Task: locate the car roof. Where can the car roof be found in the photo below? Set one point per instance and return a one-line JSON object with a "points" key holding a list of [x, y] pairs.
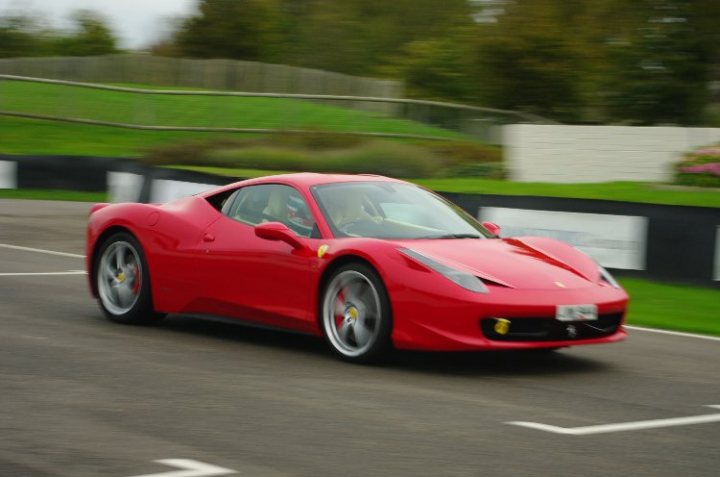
{"points": [[306, 180]]}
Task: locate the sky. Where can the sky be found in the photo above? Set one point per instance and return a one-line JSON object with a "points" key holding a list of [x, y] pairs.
{"points": [[136, 23]]}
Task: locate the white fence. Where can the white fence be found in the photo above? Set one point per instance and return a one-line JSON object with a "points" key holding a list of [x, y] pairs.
{"points": [[558, 153], [233, 75]]}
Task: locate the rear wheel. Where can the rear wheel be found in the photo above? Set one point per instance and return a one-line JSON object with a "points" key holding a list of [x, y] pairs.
{"points": [[356, 314], [123, 281]]}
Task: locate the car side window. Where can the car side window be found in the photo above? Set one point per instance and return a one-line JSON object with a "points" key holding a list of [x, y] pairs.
{"points": [[224, 205], [272, 203]]}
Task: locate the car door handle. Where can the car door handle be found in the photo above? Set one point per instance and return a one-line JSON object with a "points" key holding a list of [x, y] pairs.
{"points": [[208, 238]]}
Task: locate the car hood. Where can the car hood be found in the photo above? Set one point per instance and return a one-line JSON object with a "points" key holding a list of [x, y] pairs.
{"points": [[523, 262]]}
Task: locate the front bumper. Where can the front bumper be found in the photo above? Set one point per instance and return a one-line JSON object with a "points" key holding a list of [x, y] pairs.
{"points": [[466, 321]]}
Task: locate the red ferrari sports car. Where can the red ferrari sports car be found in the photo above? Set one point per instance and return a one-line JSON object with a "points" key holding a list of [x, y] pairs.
{"points": [[368, 262]]}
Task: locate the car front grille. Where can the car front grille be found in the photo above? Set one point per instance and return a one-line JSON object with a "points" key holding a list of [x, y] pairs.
{"points": [[550, 329]]}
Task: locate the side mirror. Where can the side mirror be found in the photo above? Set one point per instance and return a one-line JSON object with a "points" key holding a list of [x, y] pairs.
{"points": [[492, 227], [278, 231]]}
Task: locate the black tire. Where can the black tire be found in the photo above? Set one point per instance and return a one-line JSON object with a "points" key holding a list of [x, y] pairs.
{"points": [[135, 307], [363, 332]]}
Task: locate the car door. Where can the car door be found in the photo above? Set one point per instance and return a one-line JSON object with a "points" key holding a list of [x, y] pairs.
{"points": [[256, 279]]}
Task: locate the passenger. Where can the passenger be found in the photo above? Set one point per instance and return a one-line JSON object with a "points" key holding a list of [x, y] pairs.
{"points": [[277, 209]]}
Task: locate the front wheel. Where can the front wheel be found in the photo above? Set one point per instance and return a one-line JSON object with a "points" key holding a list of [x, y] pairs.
{"points": [[356, 314], [123, 281]]}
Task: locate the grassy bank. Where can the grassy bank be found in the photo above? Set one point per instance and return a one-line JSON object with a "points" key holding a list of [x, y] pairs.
{"points": [[48, 194], [200, 111], [673, 307], [26, 136]]}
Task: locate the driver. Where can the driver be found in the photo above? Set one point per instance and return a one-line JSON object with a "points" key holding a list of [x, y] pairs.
{"points": [[347, 207]]}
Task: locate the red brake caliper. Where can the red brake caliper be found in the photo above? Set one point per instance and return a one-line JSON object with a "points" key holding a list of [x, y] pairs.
{"points": [[339, 302], [138, 278]]}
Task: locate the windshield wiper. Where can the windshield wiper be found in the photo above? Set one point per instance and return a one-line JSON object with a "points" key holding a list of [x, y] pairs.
{"points": [[454, 236]]}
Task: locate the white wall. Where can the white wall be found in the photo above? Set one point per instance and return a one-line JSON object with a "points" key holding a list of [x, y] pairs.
{"points": [[165, 190], [124, 186], [8, 175], [559, 153]]}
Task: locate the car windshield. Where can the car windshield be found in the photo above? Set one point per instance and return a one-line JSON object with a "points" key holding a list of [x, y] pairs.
{"points": [[393, 211]]}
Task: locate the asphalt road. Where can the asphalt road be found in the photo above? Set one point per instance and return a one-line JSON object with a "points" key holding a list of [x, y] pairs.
{"points": [[80, 396]]}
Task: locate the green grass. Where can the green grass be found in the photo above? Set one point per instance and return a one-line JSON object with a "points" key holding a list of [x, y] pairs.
{"points": [[50, 194], [672, 306], [26, 136], [205, 111], [622, 191]]}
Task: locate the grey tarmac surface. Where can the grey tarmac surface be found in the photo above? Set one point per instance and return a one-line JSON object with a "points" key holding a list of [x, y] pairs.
{"points": [[80, 396]]}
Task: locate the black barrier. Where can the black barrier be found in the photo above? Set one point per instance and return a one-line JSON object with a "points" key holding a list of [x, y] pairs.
{"points": [[79, 173], [90, 174], [680, 243]]}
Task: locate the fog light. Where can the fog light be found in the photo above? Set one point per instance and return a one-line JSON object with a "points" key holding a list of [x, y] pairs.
{"points": [[502, 326]]}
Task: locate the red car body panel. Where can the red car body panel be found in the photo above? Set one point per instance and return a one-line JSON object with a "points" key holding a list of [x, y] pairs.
{"points": [[202, 262]]}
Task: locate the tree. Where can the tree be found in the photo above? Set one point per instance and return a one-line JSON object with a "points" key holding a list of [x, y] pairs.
{"points": [[18, 36], [244, 29], [532, 60], [351, 36], [643, 62], [439, 68], [659, 68], [362, 36], [91, 36], [22, 35]]}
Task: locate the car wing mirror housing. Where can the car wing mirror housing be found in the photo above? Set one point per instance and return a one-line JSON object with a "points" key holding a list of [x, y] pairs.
{"points": [[278, 231], [492, 227]]}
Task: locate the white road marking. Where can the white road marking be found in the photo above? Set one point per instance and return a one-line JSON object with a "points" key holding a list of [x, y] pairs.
{"points": [[674, 333], [622, 426], [40, 250], [191, 468], [33, 274]]}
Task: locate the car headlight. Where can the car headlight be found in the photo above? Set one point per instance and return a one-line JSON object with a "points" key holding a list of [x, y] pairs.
{"points": [[464, 279], [605, 275]]}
